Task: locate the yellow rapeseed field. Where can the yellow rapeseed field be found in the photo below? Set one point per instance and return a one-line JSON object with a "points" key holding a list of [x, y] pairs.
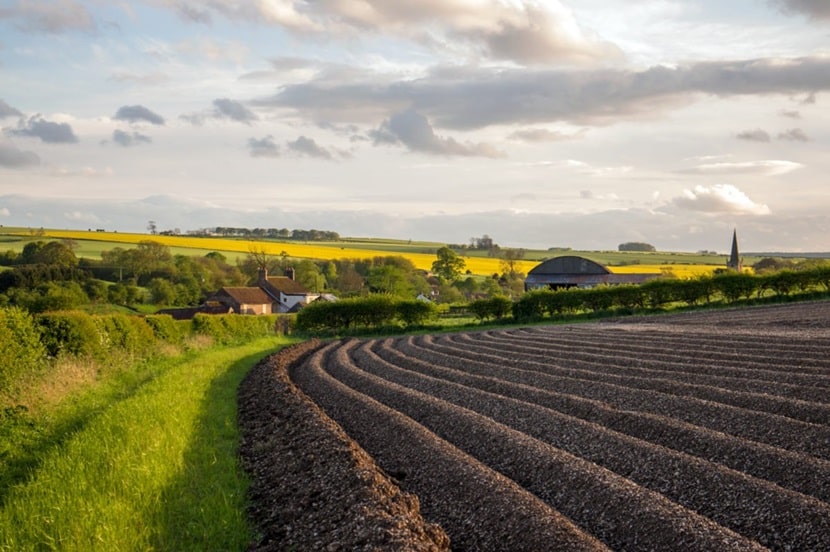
{"points": [[476, 265]]}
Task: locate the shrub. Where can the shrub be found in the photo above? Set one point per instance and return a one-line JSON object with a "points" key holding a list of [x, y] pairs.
{"points": [[495, 307], [735, 285], [413, 313], [21, 350], [233, 328], [127, 333], [167, 329], [374, 311], [73, 333]]}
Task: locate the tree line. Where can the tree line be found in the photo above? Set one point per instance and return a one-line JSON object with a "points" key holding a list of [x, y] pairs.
{"points": [[273, 233]]}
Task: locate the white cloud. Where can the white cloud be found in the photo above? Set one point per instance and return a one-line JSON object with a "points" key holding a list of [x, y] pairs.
{"points": [[765, 168], [720, 198], [524, 31]]}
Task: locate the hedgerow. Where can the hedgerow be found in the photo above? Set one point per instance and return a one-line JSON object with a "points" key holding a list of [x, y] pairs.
{"points": [[21, 350], [234, 328], [373, 311], [728, 287]]}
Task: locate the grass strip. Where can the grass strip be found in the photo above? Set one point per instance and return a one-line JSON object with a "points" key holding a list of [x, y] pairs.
{"points": [[156, 470]]}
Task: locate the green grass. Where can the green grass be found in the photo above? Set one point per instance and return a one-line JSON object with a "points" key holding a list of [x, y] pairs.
{"points": [[151, 465]]}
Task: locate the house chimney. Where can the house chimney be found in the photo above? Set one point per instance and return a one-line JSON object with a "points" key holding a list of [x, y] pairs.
{"points": [[289, 272], [263, 274]]}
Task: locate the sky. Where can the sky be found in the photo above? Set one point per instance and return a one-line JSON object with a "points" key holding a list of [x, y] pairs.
{"points": [[547, 123]]}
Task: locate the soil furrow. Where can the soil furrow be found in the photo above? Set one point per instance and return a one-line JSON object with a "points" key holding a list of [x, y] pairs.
{"points": [[795, 471], [767, 428], [478, 508], [761, 377], [700, 348], [773, 516], [311, 487], [620, 513], [598, 369]]}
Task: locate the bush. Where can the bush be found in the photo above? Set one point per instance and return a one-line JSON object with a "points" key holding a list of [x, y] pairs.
{"points": [[414, 313], [126, 333], [168, 329], [495, 307], [73, 333], [234, 328], [21, 350], [374, 311]]}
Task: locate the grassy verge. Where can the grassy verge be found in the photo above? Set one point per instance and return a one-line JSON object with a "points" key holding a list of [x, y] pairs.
{"points": [[154, 468]]}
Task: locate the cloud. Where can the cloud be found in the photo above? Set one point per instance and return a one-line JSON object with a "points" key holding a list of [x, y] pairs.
{"points": [[542, 135], [127, 139], [757, 135], [815, 9], [50, 132], [8, 111], [790, 114], [526, 32], [272, 12], [84, 172], [223, 108], [476, 97], [263, 147], [770, 167], [233, 110], [14, 158], [794, 135], [414, 131], [138, 113], [720, 198], [54, 16], [307, 146]]}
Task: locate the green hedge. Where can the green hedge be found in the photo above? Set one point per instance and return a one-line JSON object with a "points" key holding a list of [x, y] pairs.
{"points": [[72, 333], [373, 311], [168, 329], [234, 328], [21, 350], [728, 287]]}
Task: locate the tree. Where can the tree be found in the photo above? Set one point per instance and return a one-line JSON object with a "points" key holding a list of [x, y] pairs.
{"points": [[636, 246], [389, 279], [448, 266], [509, 263]]}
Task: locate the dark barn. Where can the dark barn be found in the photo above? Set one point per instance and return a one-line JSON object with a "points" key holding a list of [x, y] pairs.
{"points": [[571, 271]]}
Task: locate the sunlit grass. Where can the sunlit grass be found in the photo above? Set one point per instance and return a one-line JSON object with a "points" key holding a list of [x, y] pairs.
{"points": [[156, 470]]}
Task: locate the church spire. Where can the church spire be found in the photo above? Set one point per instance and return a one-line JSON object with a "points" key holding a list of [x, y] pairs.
{"points": [[734, 262]]}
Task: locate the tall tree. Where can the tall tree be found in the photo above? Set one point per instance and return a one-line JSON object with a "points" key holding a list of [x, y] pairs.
{"points": [[448, 266]]}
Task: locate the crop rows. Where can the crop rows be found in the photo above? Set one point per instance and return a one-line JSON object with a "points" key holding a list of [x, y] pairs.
{"points": [[706, 431]]}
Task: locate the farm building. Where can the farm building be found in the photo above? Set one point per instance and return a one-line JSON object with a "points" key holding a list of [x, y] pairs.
{"points": [[571, 271], [271, 295]]}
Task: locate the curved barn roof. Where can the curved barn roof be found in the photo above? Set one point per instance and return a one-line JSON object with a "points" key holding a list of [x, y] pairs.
{"points": [[569, 264], [573, 271]]}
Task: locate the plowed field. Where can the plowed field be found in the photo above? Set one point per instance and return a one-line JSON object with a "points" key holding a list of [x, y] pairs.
{"points": [[704, 431]]}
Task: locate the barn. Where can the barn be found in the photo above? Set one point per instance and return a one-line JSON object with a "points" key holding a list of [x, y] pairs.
{"points": [[570, 271]]}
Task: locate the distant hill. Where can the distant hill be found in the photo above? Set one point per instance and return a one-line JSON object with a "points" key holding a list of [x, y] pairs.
{"points": [[790, 255]]}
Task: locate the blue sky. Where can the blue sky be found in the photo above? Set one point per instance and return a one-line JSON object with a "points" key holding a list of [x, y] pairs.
{"points": [[541, 123]]}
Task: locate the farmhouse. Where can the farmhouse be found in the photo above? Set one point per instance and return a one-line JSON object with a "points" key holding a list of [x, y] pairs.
{"points": [[271, 295], [570, 271]]}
